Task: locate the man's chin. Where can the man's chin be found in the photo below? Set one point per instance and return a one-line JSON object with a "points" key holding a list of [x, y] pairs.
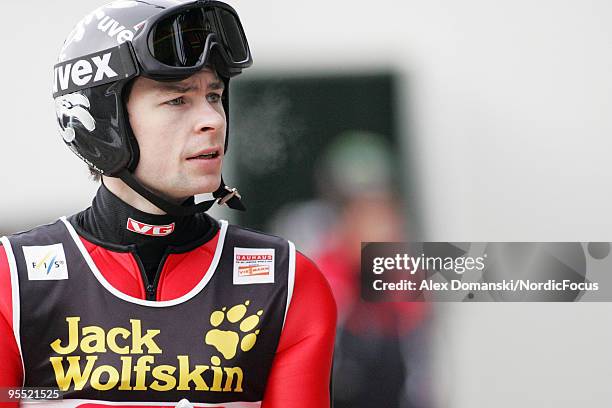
{"points": [[210, 184], [205, 185]]}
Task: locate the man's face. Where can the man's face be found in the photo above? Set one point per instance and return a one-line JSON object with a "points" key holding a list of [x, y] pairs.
{"points": [[180, 129]]}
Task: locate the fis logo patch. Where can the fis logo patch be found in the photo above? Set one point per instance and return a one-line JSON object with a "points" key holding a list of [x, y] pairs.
{"points": [[253, 265], [46, 262]]}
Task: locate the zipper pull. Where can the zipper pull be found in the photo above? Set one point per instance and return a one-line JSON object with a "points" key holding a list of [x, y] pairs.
{"points": [[151, 292]]}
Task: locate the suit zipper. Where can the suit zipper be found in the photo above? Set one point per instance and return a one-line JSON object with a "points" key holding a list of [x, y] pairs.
{"points": [[150, 288], [158, 273], [151, 292]]}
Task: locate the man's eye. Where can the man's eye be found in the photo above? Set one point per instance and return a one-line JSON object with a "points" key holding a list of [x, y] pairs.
{"points": [[176, 101], [213, 97]]}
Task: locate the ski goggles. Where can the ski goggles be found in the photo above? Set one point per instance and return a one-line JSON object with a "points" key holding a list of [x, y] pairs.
{"points": [[173, 45], [178, 42]]}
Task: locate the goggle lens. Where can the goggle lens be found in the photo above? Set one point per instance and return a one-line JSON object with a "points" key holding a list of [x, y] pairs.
{"points": [[234, 36], [180, 40]]}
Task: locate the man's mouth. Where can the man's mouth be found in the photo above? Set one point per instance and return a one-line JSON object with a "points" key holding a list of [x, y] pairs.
{"points": [[211, 155]]}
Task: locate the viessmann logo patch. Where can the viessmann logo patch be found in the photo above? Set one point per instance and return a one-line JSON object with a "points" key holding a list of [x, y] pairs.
{"points": [[148, 229], [253, 265], [46, 262]]}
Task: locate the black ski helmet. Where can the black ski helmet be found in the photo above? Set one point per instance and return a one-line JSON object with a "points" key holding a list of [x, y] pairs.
{"points": [[164, 40]]}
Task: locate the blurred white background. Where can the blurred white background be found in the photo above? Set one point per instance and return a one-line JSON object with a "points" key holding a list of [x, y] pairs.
{"points": [[507, 106]]}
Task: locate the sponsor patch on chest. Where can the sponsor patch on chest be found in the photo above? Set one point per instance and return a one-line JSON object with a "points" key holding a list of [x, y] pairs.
{"points": [[253, 265], [46, 262]]}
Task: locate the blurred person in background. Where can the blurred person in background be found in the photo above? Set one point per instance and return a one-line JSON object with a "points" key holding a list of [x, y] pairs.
{"points": [[381, 351], [143, 298]]}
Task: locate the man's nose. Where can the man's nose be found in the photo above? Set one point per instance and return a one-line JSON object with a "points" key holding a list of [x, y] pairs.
{"points": [[208, 118]]}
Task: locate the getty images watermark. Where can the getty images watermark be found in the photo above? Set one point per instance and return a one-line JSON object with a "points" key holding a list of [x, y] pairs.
{"points": [[483, 272]]}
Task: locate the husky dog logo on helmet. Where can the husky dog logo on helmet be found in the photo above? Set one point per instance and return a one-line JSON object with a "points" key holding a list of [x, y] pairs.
{"points": [[69, 108]]}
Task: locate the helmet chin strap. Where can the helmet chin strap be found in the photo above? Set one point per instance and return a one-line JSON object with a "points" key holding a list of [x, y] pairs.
{"points": [[223, 195]]}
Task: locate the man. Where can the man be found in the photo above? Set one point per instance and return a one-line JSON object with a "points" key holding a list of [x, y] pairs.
{"points": [[143, 298]]}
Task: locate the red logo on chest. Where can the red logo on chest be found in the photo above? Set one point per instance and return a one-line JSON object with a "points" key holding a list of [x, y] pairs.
{"points": [[150, 230]]}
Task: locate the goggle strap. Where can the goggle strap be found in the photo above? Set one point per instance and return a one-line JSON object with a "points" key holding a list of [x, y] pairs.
{"points": [[99, 68]]}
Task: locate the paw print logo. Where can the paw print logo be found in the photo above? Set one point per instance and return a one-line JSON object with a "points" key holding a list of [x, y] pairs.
{"points": [[243, 334]]}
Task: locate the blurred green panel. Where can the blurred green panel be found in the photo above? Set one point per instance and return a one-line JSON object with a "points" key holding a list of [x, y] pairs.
{"points": [[282, 125]]}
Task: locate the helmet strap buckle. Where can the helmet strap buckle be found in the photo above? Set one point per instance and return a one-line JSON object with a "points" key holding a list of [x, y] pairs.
{"points": [[231, 193]]}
